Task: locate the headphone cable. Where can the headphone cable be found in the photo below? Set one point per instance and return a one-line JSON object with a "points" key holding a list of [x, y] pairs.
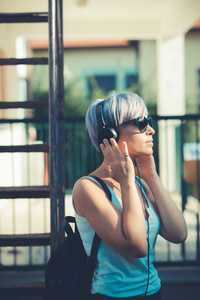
{"points": [[147, 217]]}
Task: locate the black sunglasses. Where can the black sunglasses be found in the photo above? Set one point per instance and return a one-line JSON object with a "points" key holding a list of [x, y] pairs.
{"points": [[141, 123]]}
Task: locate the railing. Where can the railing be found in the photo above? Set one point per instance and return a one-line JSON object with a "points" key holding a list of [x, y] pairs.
{"points": [[177, 155]]}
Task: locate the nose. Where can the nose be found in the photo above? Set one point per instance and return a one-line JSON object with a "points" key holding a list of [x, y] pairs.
{"points": [[150, 130]]}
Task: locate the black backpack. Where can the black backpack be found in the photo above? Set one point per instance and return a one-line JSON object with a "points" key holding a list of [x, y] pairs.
{"points": [[69, 271]]}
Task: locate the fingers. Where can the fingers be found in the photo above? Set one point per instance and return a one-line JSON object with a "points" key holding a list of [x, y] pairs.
{"points": [[125, 150], [112, 148], [105, 153], [108, 157], [116, 149], [111, 151]]}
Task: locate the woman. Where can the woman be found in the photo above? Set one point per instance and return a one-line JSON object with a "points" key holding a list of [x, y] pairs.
{"points": [[141, 208]]}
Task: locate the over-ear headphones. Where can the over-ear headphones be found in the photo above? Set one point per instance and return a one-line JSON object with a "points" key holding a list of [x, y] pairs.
{"points": [[104, 132]]}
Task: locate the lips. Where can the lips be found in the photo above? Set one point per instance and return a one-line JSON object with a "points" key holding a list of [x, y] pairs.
{"points": [[151, 141]]}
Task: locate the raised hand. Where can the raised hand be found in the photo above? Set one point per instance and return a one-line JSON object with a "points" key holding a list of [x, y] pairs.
{"points": [[119, 167], [146, 166]]}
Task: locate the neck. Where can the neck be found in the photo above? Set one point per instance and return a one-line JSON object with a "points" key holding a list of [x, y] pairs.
{"points": [[112, 183], [101, 171]]}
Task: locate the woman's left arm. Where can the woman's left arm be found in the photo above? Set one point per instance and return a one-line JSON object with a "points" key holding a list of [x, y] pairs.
{"points": [[173, 225]]}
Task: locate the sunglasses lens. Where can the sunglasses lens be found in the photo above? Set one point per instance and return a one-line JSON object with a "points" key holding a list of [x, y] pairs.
{"points": [[140, 122], [143, 123]]}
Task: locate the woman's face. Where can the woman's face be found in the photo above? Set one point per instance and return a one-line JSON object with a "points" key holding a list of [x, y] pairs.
{"points": [[138, 143]]}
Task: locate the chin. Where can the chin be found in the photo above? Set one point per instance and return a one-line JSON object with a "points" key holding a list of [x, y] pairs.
{"points": [[149, 153]]}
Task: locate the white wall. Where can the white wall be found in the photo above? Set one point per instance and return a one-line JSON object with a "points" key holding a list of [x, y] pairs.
{"points": [[192, 65], [78, 63], [148, 70]]}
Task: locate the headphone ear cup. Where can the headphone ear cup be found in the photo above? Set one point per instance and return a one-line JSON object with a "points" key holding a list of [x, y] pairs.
{"points": [[107, 133]]}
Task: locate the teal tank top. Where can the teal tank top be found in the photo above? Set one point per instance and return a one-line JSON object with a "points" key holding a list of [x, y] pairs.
{"points": [[118, 275]]}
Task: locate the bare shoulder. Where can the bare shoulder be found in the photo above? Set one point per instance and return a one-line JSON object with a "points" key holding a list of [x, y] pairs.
{"points": [[86, 195], [84, 186]]}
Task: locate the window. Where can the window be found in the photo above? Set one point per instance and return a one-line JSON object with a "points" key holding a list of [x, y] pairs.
{"points": [[105, 82], [131, 79], [111, 79]]}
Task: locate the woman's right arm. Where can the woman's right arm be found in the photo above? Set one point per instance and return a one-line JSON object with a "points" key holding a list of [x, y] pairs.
{"points": [[124, 231]]}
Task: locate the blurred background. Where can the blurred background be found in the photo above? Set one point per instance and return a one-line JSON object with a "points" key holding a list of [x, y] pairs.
{"points": [[147, 47]]}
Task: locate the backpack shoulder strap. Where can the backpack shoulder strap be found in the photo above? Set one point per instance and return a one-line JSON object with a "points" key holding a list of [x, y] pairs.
{"points": [[66, 226], [104, 186], [97, 240]]}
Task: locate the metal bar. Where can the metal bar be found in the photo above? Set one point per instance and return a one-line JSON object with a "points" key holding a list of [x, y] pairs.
{"points": [[24, 61], [60, 118], [24, 240], [24, 121], [24, 104], [52, 122], [82, 119], [197, 158], [182, 117], [167, 178], [197, 183], [25, 148], [198, 239], [24, 17], [24, 192], [183, 187]]}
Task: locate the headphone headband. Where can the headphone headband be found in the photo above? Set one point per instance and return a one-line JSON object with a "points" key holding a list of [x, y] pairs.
{"points": [[99, 115]]}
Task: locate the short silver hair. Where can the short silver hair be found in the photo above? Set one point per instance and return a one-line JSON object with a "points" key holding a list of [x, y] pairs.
{"points": [[117, 109]]}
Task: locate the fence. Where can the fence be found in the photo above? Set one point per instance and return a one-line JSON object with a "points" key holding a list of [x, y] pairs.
{"points": [[177, 156]]}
